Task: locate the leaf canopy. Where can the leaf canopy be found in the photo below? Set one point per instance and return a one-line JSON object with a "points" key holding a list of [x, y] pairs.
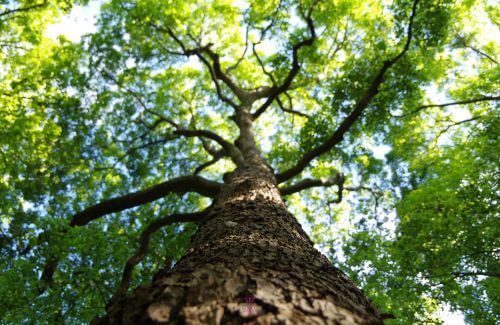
{"points": [[83, 122]]}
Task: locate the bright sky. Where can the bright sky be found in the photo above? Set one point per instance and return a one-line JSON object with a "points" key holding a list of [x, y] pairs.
{"points": [[82, 20]]}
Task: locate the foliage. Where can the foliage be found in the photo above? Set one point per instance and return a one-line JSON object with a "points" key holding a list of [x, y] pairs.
{"points": [[84, 122]]}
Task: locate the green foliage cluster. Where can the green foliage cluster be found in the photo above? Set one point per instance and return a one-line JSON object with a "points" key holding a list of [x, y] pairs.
{"points": [[81, 122]]}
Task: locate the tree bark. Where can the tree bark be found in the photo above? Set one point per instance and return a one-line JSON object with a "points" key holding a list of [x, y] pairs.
{"points": [[249, 262]]}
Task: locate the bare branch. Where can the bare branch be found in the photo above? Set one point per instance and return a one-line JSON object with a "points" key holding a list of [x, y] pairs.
{"points": [[230, 149], [332, 51], [466, 274], [178, 185], [261, 63], [359, 108], [134, 149], [453, 124], [141, 251], [262, 92], [337, 179]]}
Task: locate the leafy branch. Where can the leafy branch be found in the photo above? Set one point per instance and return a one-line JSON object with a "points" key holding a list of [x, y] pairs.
{"points": [[273, 92], [360, 106]]}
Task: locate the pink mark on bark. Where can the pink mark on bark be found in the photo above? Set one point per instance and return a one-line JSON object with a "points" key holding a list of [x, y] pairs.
{"points": [[248, 309]]}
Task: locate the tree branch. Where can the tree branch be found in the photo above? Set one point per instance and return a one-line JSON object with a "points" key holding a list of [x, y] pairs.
{"points": [[16, 10], [462, 274], [481, 53], [137, 97], [134, 149], [214, 69], [122, 288], [359, 107], [209, 163], [219, 74], [237, 63], [178, 185], [337, 179], [456, 123], [229, 148], [460, 102], [218, 89], [290, 110], [275, 91]]}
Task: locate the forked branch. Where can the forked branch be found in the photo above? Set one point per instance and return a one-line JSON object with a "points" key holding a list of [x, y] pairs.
{"points": [[230, 149], [214, 68], [275, 91], [338, 135], [178, 185]]}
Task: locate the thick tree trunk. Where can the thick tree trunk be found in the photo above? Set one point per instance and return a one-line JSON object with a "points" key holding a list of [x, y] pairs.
{"points": [[249, 262]]}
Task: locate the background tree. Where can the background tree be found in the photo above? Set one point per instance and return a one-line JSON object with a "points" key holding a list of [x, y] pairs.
{"points": [[149, 98]]}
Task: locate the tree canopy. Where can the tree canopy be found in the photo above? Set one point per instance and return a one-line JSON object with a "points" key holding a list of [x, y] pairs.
{"points": [[384, 114]]}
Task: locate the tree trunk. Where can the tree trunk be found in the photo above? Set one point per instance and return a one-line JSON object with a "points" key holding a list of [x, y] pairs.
{"points": [[249, 262]]}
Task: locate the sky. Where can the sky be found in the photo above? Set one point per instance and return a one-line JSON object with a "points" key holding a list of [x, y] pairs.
{"points": [[82, 20]]}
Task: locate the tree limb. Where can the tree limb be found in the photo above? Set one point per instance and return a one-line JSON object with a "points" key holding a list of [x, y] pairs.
{"points": [[460, 102], [360, 106], [218, 156], [21, 9], [228, 147], [456, 123], [122, 288], [462, 274], [137, 97], [237, 63], [219, 74], [337, 179], [214, 69], [275, 91], [290, 110], [481, 53], [179, 185]]}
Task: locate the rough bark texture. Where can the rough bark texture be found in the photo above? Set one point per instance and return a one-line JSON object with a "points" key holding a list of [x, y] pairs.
{"points": [[250, 262]]}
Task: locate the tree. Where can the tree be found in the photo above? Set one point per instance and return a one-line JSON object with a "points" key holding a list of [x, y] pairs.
{"points": [[169, 140]]}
